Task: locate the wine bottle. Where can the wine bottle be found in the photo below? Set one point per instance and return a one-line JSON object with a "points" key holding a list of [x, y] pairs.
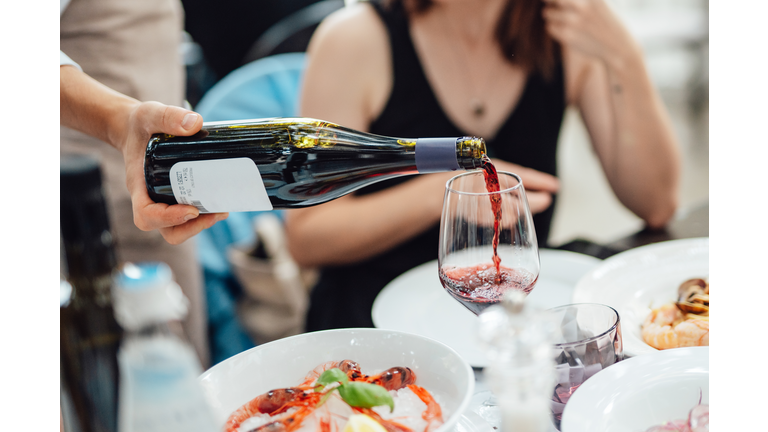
{"points": [[264, 164], [89, 333]]}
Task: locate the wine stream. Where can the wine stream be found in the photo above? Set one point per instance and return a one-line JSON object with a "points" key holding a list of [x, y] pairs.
{"points": [[492, 185]]}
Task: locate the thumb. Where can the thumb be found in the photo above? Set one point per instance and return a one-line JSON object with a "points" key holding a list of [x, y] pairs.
{"points": [[171, 120]]}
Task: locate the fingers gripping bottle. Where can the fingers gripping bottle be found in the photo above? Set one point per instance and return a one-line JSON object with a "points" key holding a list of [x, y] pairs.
{"points": [[159, 389]]}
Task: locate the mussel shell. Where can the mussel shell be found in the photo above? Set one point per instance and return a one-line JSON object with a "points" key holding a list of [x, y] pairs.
{"points": [[692, 287], [694, 308]]}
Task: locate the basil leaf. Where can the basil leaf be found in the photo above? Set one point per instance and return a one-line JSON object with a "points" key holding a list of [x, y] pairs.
{"points": [[364, 395], [329, 377]]}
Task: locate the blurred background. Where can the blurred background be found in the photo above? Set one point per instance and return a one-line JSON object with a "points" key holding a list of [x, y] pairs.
{"points": [[244, 59], [674, 36]]}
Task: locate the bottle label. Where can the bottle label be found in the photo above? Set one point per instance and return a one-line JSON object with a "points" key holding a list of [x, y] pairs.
{"points": [[220, 185]]}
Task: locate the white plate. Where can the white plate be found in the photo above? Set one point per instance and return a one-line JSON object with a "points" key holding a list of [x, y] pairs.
{"points": [[471, 422], [635, 281], [416, 302], [285, 362], [637, 393]]}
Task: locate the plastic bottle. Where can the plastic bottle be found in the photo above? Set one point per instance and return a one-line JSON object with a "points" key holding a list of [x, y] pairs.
{"points": [[158, 366]]}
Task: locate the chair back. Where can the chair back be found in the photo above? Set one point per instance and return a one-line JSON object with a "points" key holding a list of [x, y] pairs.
{"points": [[292, 33], [268, 87]]}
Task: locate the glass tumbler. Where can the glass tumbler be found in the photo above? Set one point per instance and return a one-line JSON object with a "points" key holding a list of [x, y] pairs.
{"points": [[587, 340]]}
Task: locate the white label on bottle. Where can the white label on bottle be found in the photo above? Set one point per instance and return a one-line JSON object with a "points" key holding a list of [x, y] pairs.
{"points": [[220, 185]]}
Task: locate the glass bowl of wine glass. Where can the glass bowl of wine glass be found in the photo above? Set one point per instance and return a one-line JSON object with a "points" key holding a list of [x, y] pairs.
{"points": [[487, 239]]}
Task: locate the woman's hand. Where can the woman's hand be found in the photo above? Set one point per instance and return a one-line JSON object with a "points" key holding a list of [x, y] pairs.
{"points": [[588, 26], [176, 222], [539, 186]]}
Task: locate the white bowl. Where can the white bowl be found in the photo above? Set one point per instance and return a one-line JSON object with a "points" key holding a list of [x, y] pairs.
{"points": [[285, 362], [638, 280], [640, 392]]}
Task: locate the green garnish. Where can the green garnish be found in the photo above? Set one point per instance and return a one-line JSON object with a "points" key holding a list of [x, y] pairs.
{"points": [[364, 395], [356, 394], [329, 377]]}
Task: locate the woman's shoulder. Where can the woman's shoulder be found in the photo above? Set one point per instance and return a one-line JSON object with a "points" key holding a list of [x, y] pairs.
{"points": [[349, 60], [357, 26]]}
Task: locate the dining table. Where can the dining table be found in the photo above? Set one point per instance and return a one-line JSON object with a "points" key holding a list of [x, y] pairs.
{"points": [[691, 222]]}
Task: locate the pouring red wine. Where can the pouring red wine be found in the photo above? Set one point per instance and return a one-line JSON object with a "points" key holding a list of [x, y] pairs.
{"points": [[470, 261]]}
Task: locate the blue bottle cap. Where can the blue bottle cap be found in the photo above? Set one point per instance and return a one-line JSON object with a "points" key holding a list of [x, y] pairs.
{"points": [[144, 275]]}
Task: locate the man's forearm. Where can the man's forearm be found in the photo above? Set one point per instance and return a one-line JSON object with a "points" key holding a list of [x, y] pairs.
{"points": [[93, 108]]}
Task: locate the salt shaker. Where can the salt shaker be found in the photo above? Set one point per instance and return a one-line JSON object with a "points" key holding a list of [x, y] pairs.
{"points": [[520, 368]]}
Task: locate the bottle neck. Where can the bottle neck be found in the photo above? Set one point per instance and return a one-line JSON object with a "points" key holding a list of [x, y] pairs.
{"points": [[448, 154]]}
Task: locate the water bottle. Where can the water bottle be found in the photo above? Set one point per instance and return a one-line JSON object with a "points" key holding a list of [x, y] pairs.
{"points": [[159, 390]]}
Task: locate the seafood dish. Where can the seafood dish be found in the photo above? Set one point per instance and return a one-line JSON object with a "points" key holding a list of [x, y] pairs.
{"points": [[697, 421], [682, 323], [337, 394]]}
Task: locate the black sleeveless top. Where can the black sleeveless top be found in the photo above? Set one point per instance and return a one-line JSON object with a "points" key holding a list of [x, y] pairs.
{"points": [[344, 295]]}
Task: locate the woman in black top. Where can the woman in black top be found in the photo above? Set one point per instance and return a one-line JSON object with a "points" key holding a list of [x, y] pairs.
{"points": [[504, 70]]}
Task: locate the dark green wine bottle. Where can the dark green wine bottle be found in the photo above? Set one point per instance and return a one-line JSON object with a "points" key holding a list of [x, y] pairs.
{"points": [[288, 163], [90, 335]]}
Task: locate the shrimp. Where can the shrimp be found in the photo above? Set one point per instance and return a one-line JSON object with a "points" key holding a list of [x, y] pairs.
{"points": [[286, 423], [274, 402], [667, 327], [351, 368], [433, 415], [393, 378]]}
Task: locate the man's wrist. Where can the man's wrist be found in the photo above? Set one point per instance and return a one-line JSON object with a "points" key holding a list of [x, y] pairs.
{"points": [[119, 118]]}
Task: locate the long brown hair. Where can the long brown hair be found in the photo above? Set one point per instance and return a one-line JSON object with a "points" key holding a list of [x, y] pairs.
{"points": [[520, 31]]}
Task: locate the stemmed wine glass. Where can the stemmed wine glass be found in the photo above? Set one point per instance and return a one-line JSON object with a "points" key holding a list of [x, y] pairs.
{"points": [[487, 240]]}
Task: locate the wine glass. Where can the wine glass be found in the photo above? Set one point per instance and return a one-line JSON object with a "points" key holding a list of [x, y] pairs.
{"points": [[487, 240]]}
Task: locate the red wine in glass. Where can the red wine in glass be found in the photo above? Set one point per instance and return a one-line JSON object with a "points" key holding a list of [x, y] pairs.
{"points": [[480, 286], [492, 185]]}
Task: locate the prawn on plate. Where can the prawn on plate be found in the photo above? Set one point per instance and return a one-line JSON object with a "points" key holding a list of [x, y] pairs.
{"points": [[683, 323], [667, 327]]}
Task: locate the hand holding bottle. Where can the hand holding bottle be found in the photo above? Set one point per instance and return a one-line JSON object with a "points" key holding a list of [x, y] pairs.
{"points": [[177, 222], [126, 124]]}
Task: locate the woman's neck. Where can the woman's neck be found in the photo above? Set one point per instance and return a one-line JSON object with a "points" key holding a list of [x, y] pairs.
{"points": [[473, 22]]}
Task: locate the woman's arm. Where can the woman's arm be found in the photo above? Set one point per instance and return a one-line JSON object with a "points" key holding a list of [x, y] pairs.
{"points": [[126, 124], [626, 119]]}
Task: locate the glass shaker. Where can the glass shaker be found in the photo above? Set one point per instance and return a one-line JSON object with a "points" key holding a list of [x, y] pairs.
{"points": [[521, 371]]}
